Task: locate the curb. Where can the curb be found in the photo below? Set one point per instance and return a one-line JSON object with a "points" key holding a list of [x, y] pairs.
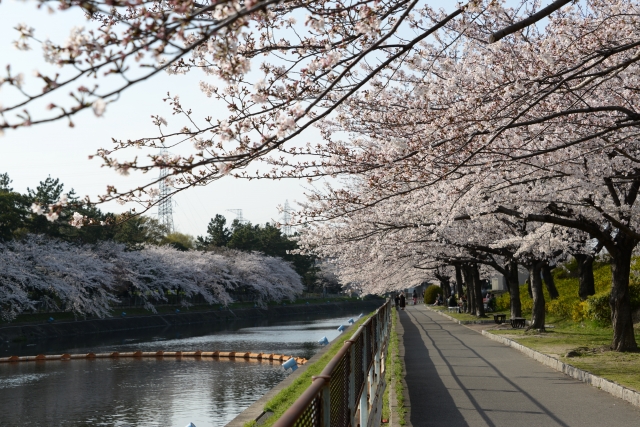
{"points": [[603, 384], [614, 389], [462, 322]]}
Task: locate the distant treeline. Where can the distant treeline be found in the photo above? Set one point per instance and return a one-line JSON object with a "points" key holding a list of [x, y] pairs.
{"points": [[18, 220]]}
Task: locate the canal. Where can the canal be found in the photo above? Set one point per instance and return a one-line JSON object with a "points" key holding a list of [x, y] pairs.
{"points": [[148, 391]]}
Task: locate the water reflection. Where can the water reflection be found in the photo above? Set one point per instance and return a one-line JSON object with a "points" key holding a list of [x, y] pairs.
{"points": [[152, 392]]}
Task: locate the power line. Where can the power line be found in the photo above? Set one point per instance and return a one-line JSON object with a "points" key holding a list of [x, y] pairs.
{"points": [[239, 217]]}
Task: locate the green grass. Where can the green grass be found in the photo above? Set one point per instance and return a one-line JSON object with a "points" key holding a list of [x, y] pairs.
{"points": [[591, 341], [386, 407], [283, 400], [397, 369]]}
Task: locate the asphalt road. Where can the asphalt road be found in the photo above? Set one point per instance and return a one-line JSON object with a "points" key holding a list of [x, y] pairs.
{"points": [[458, 378]]}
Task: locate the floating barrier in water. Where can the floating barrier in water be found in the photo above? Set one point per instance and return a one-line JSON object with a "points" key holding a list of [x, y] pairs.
{"points": [[350, 320], [160, 354], [191, 425], [340, 328], [323, 341]]}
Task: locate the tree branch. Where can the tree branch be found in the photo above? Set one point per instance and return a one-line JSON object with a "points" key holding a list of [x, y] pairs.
{"points": [[528, 21]]}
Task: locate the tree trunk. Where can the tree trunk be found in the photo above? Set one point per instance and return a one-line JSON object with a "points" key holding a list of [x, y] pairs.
{"points": [[586, 282], [620, 301], [477, 287], [459, 281], [529, 288], [549, 282], [468, 283], [445, 286], [537, 315], [513, 284]]}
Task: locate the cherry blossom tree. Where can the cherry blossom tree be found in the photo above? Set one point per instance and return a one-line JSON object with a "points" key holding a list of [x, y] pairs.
{"points": [[549, 138], [339, 51], [54, 275]]}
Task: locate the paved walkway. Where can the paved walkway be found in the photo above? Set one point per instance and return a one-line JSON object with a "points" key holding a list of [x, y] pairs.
{"points": [[456, 377]]}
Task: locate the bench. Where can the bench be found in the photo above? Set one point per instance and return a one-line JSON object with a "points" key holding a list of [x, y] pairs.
{"points": [[518, 322], [453, 309], [499, 318]]}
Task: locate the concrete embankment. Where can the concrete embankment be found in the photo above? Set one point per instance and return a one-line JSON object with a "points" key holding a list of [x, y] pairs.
{"points": [[117, 324]]}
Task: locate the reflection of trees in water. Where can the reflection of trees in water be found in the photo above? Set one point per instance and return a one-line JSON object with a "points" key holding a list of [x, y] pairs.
{"points": [[243, 385], [134, 391]]}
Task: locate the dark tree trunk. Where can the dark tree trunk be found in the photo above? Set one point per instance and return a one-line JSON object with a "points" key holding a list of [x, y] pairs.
{"points": [[529, 288], [445, 286], [537, 315], [587, 285], [620, 301], [513, 285], [459, 281], [477, 287], [549, 282], [468, 283]]}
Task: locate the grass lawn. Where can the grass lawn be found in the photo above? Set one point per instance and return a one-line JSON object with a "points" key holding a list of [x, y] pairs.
{"points": [[589, 344], [394, 365]]}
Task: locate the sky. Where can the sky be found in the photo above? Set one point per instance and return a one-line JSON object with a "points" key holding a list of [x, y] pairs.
{"points": [[29, 155]]}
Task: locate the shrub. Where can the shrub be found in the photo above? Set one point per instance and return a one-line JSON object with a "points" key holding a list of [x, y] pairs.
{"points": [[431, 293], [597, 307], [503, 302]]}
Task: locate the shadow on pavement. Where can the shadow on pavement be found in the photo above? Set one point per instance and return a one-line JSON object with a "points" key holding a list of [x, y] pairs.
{"points": [[431, 402], [447, 413]]}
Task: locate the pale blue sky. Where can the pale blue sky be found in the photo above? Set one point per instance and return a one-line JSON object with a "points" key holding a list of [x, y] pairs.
{"points": [[31, 154]]}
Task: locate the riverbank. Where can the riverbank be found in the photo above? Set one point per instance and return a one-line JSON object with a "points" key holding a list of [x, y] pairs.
{"points": [[37, 330]]}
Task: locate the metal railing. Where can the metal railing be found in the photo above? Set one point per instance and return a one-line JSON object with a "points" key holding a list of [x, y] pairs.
{"points": [[348, 392]]}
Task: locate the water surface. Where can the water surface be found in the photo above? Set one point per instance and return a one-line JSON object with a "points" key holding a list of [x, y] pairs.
{"points": [[148, 391]]}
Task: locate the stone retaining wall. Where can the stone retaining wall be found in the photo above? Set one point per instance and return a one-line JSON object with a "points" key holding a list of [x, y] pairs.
{"points": [[116, 324]]}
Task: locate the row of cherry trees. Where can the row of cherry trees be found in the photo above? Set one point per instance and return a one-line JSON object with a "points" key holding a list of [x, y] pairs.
{"points": [[44, 273], [482, 133], [523, 151]]}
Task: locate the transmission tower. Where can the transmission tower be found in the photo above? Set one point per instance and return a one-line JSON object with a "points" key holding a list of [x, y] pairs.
{"points": [[239, 217], [286, 219], [165, 207]]}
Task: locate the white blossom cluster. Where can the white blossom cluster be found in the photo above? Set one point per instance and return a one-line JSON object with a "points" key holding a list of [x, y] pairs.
{"points": [[47, 274]]}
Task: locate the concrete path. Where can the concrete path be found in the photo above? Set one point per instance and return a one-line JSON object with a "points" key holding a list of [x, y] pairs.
{"points": [[456, 378]]}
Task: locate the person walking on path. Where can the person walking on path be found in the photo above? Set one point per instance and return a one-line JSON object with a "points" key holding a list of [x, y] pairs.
{"points": [[396, 300], [415, 297], [403, 300], [459, 378]]}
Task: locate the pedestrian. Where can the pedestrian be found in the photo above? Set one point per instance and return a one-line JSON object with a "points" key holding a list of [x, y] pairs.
{"points": [[415, 297], [403, 300], [397, 301]]}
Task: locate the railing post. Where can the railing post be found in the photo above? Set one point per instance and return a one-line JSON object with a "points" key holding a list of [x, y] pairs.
{"points": [[376, 363], [326, 405], [352, 383], [364, 397]]}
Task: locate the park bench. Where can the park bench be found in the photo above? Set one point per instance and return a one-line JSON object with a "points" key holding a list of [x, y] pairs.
{"points": [[499, 318], [518, 322], [453, 309]]}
